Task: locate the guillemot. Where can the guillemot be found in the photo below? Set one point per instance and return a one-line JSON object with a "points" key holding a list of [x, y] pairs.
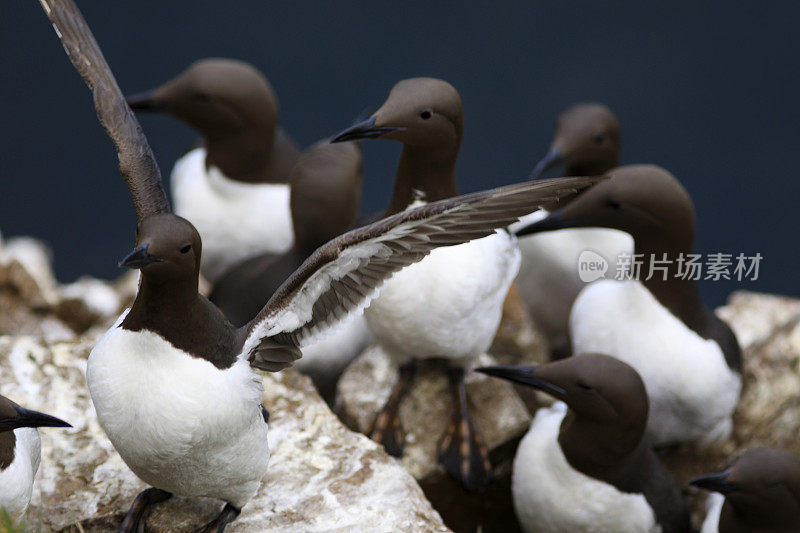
{"points": [[449, 305], [689, 359], [760, 492], [173, 382], [325, 199], [20, 453], [235, 188], [586, 142], [586, 464]]}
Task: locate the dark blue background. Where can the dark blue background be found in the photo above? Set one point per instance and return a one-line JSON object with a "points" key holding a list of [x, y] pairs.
{"points": [[708, 91]]}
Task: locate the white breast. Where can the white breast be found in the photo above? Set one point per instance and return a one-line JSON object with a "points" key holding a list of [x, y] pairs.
{"points": [[692, 390], [714, 505], [178, 422], [449, 304], [550, 496], [548, 278], [235, 220], [16, 480]]}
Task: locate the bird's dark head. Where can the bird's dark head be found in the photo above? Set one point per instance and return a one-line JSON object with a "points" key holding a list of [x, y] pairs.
{"points": [[586, 142], [644, 201], [218, 97], [762, 489], [167, 247], [419, 112], [596, 387]]}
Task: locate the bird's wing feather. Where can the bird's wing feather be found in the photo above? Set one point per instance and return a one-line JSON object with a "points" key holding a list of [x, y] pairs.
{"points": [[343, 276], [136, 161]]}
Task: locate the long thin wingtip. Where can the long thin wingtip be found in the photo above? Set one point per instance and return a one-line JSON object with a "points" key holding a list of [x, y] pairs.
{"points": [[136, 160]]}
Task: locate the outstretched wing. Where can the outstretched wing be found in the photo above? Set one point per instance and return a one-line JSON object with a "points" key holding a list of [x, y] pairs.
{"points": [[342, 276], [136, 161]]}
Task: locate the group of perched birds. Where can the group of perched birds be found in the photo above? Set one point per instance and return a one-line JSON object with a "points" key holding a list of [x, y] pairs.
{"points": [[275, 231]]}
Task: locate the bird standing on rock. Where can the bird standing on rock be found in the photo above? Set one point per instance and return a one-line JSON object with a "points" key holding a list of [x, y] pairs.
{"points": [[20, 453], [235, 188], [586, 464], [449, 305], [173, 382], [652, 316], [586, 143]]}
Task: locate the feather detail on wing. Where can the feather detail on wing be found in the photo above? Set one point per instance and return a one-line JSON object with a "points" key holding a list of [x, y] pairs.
{"points": [[344, 275], [136, 161]]}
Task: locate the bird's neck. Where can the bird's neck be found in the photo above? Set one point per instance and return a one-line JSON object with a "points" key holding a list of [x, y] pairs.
{"points": [[423, 173], [595, 167], [162, 303], [174, 310], [246, 155], [607, 454]]}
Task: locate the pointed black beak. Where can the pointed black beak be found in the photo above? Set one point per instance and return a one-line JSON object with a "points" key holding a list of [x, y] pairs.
{"points": [[550, 161], [553, 221], [32, 419], [139, 258], [145, 101], [524, 375], [715, 482], [363, 130]]}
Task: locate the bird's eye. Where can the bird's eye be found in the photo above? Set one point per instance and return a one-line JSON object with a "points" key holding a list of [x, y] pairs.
{"points": [[599, 138], [613, 204], [425, 115], [583, 385], [186, 249]]}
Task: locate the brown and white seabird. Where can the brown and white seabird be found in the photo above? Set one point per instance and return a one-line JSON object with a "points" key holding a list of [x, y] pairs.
{"points": [[234, 188], [586, 142], [760, 492], [449, 305], [325, 200], [173, 382], [20, 453], [586, 464], [689, 359]]}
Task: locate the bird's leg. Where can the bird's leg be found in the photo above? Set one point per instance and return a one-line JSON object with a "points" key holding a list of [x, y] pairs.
{"points": [[386, 429], [462, 451], [228, 515], [136, 519]]}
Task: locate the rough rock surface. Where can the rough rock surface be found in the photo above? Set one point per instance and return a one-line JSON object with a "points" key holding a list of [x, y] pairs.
{"points": [[32, 302], [322, 476], [497, 411], [499, 415]]}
